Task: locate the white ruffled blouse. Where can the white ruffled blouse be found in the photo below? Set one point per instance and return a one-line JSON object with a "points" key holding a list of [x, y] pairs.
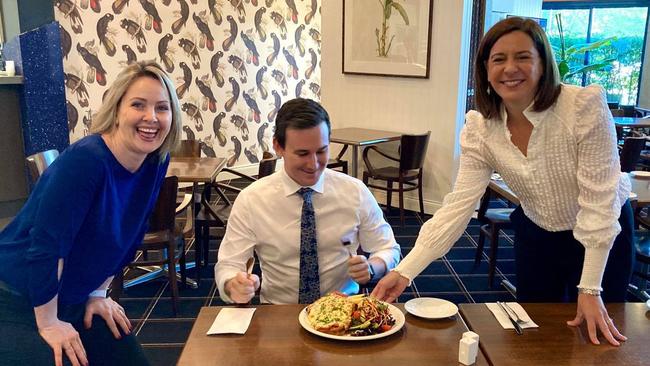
{"points": [[570, 179]]}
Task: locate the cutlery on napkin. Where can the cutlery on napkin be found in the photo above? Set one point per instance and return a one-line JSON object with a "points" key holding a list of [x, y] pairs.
{"points": [[232, 320], [503, 318]]}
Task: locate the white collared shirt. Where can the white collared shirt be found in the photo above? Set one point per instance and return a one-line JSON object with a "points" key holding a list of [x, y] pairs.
{"points": [[265, 218], [570, 179]]}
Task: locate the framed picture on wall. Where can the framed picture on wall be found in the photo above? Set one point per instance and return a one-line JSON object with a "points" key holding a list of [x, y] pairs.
{"points": [[387, 37]]}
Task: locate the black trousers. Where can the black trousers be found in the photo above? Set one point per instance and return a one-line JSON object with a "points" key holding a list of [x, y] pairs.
{"points": [[20, 343], [548, 264]]}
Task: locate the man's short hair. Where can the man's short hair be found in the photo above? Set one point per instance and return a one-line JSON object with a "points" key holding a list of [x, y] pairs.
{"points": [[299, 114]]}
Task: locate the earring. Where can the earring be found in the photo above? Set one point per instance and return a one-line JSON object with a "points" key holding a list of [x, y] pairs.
{"points": [[488, 90]]}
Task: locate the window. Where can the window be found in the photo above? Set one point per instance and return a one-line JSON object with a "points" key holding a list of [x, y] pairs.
{"points": [[586, 22]]}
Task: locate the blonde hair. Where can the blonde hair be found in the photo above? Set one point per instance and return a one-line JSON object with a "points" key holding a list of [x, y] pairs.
{"points": [[105, 120]]}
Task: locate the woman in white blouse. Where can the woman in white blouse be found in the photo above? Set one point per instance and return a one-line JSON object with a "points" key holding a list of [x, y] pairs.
{"points": [[555, 147]]}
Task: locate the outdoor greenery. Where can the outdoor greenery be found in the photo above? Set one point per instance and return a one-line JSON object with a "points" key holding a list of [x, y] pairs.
{"points": [[618, 34]]}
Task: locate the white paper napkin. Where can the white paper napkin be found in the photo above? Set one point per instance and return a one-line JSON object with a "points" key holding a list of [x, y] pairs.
{"points": [[232, 320], [502, 318]]}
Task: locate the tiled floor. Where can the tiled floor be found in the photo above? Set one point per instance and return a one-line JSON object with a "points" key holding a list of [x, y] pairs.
{"points": [[453, 278]]}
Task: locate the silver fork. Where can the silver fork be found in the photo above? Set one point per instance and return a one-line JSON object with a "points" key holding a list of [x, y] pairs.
{"points": [[517, 318]]}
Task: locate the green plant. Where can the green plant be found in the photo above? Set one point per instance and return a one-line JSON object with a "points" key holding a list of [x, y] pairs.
{"points": [[387, 10], [563, 55]]}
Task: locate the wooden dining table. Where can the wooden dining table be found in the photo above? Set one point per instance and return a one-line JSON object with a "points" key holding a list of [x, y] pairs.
{"points": [[275, 337], [555, 343], [358, 137]]}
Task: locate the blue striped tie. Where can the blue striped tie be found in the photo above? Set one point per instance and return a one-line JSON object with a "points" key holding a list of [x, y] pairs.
{"points": [[309, 278]]}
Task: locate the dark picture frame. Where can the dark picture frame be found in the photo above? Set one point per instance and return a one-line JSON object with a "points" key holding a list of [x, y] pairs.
{"points": [[394, 42]]}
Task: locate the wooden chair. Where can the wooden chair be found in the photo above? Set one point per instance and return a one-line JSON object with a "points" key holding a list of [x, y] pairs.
{"points": [[412, 151], [630, 153], [338, 161], [37, 163], [217, 214], [165, 237], [492, 220]]}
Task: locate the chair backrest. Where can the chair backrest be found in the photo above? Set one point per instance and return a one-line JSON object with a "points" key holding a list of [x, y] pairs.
{"points": [[188, 149], [163, 215], [267, 164], [413, 148], [631, 152], [38, 162]]}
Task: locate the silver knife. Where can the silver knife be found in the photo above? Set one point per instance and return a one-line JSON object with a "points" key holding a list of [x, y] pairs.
{"points": [[514, 323]]}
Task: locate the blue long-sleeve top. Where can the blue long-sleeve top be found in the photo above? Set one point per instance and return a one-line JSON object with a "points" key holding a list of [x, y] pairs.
{"points": [[87, 209]]}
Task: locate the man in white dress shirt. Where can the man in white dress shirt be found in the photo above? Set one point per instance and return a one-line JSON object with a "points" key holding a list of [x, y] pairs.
{"points": [[266, 219]]}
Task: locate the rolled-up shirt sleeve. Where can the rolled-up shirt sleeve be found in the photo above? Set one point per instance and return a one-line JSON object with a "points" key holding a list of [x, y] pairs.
{"points": [[375, 234], [237, 246], [66, 200], [599, 173], [440, 232]]}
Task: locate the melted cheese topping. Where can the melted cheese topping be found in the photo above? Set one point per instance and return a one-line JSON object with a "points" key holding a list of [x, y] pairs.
{"points": [[331, 314]]}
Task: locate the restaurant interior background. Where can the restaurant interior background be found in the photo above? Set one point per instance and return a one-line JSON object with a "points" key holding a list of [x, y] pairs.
{"points": [[51, 101], [437, 103]]}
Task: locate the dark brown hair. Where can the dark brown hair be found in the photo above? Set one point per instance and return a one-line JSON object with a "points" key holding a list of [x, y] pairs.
{"points": [[299, 114], [548, 90]]}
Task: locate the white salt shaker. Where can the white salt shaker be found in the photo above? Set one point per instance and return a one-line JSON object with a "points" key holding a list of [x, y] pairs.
{"points": [[468, 348], [10, 68]]}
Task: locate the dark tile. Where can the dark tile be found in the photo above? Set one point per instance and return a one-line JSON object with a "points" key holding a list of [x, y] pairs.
{"points": [[466, 266], [187, 308], [461, 253], [480, 282], [160, 355], [135, 308], [465, 242], [436, 284], [437, 267], [406, 240], [412, 230], [165, 331], [204, 289]]}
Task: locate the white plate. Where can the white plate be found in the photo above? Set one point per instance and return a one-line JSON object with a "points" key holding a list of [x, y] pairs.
{"points": [[395, 312], [647, 303], [431, 308]]}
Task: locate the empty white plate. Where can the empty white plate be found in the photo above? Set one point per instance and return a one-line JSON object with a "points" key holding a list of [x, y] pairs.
{"points": [[431, 308]]}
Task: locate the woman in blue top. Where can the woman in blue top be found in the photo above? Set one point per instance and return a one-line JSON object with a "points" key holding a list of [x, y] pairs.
{"points": [[82, 224]]}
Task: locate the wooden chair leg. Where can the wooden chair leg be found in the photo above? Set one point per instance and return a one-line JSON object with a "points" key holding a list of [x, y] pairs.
{"points": [[421, 197], [344, 167], [480, 245], [206, 246], [183, 264], [198, 242], [171, 270], [494, 245], [401, 202], [389, 195]]}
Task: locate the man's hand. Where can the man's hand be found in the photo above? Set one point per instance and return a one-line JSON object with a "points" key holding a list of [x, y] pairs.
{"points": [[390, 287], [592, 309], [110, 311], [242, 287], [62, 336], [358, 269]]}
